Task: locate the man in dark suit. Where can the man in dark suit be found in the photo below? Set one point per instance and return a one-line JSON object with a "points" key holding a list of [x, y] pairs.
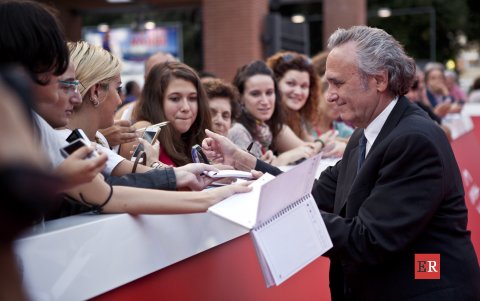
{"points": [[399, 195], [396, 197]]}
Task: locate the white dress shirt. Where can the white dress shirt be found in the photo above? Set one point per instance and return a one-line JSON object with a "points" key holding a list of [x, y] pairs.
{"points": [[374, 128]]}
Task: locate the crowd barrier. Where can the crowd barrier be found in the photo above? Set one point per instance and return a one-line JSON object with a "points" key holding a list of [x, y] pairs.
{"points": [[182, 257]]}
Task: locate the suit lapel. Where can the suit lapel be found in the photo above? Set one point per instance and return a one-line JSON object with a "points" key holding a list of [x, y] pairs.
{"points": [[349, 172], [392, 121], [351, 169]]}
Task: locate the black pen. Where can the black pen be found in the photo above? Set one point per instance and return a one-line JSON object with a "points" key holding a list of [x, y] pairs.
{"points": [[250, 147]]}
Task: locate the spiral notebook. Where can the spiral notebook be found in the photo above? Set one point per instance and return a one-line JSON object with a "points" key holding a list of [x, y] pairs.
{"points": [[290, 232], [287, 229]]}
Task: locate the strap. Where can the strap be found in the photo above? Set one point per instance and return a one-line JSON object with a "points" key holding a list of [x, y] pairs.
{"points": [[97, 208], [141, 156]]}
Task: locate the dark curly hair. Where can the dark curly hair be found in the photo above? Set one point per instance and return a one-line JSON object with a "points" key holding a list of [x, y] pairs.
{"points": [[281, 63], [216, 87]]}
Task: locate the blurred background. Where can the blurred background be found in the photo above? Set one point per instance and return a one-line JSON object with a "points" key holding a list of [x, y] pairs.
{"points": [[219, 35]]}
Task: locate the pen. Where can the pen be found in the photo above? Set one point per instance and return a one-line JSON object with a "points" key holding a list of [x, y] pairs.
{"points": [[161, 124], [250, 147]]}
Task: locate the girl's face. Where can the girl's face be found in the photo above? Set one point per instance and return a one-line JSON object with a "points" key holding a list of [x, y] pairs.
{"points": [[180, 105], [221, 112], [259, 96], [111, 100], [295, 89]]}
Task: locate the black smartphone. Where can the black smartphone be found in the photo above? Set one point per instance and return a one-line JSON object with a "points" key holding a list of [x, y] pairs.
{"points": [[77, 134], [73, 146], [298, 161], [198, 156]]}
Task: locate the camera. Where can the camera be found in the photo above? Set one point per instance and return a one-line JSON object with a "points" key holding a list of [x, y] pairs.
{"points": [[73, 146], [78, 134]]}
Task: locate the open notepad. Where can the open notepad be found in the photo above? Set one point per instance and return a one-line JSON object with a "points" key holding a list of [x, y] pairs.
{"points": [[286, 226]]}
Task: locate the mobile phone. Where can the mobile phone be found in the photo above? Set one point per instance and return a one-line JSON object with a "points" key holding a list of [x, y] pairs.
{"points": [[73, 146], [298, 161], [78, 134], [198, 156], [151, 135]]}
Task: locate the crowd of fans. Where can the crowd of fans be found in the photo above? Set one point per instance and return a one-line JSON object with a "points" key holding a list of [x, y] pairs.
{"points": [[275, 109]]}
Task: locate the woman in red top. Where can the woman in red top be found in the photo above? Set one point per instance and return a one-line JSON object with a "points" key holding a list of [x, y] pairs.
{"points": [[173, 92]]}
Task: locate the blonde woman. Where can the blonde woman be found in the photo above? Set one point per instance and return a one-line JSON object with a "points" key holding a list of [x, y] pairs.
{"points": [[98, 72], [99, 75]]}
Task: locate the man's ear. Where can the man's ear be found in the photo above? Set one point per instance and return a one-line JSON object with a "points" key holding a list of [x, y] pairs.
{"points": [[381, 81]]}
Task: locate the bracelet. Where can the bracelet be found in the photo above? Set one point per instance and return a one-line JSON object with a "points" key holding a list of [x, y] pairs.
{"points": [[156, 164], [321, 142], [97, 208]]}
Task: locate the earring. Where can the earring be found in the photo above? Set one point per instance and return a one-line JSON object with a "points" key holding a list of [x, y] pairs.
{"points": [[94, 101]]}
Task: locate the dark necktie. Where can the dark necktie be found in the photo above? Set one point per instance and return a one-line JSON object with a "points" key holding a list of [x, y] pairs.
{"points": [[362, 147]]}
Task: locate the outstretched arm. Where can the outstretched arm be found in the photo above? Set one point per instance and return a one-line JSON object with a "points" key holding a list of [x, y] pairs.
{"points": [[147, 201], [220, 147]]}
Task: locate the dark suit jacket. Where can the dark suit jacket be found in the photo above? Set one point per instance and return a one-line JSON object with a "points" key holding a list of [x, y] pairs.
{"points": [[407, 198]]}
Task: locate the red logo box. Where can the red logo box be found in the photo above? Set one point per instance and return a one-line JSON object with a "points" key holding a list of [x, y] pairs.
{"points": [[427, 266]]}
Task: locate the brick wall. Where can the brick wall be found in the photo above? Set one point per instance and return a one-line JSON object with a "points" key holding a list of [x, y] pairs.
{"points": [[232, 34], [342, 13]]}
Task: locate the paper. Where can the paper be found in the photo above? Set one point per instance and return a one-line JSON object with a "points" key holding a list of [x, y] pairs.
{"points": [[291, 241], [287, 188], [242, 208], [286, 226]]}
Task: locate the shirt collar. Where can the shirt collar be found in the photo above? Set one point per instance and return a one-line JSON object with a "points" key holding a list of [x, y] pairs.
{"points": [[373, 129]]}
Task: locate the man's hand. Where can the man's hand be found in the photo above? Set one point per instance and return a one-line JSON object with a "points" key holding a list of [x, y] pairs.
{"points": [[119, 133], [220, 150]]}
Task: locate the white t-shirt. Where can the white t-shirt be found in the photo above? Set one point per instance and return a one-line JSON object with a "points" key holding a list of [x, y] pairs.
{"points": [[113, 158], [50, 141]]}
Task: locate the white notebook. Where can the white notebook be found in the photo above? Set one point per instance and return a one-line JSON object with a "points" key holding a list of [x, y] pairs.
{"points": [[290, 240], [242, 208], [286, 226]]}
